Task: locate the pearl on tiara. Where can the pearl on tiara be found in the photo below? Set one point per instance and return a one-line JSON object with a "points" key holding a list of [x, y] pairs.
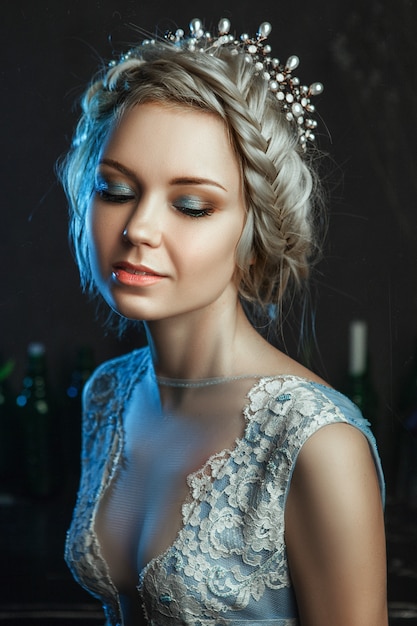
{"points": [[294, 98]]}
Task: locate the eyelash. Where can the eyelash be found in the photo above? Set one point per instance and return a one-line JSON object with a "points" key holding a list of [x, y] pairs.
{"points": [[104, 190], [203, 210], [188, 205], [195, 213]]}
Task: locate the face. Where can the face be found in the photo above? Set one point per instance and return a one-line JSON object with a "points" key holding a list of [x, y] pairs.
{"points": [[166, 215]]}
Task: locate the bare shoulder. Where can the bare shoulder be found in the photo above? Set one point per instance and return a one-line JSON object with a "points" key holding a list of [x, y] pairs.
{"points": [[336, 466], [335, 530], [256, 355], [278, 363], [293, 368], [344, 445]]}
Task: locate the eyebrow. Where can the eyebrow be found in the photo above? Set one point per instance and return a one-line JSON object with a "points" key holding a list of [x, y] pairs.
{"points": [[180, 180], [191, 180]]}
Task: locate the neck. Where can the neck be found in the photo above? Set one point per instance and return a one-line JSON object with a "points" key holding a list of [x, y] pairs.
{"points": [[199, 345]]}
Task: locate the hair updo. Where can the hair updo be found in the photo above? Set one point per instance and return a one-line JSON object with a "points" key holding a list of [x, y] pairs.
{"points": [[279, 241]]}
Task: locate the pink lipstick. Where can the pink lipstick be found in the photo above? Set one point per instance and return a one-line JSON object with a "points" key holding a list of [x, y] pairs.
{"points": [[135, 275]]}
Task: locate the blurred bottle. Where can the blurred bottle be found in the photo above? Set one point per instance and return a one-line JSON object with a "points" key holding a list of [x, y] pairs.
{"points": [[407, 450], [38, 426], [71, 415], [359, 387], [7, 431]]}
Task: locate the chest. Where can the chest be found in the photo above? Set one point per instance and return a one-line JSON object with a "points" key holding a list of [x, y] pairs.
{"points": [[232, 507], [141, 511]]}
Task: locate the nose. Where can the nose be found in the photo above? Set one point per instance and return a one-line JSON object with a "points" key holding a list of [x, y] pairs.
{"points": [[144, 224]]}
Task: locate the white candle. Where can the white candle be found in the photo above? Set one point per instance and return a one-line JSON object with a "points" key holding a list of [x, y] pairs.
{"points": [[357, 347]]}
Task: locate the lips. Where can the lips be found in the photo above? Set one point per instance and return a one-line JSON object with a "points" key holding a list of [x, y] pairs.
{"points": [[135, 269], [136, 275]]}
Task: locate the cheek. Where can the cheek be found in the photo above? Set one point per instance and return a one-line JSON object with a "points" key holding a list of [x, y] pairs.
{"points": [[102, 231], [211, 252], [98, 239]]}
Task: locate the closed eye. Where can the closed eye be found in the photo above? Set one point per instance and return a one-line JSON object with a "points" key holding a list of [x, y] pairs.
{"points": [[117, 193], [193, 207]]}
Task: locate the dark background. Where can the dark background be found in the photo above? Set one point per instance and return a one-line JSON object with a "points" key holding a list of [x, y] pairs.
{"points": [[365, 53]]}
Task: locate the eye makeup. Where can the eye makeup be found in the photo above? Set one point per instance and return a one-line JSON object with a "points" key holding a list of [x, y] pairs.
{"points": [[193, 206], [113, 191]]}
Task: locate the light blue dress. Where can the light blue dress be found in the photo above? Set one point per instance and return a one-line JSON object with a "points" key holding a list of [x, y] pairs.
{"points": [[228, 564]]}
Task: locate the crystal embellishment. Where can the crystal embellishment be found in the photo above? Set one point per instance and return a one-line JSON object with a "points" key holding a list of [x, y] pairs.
{"points": [[294, 98]]}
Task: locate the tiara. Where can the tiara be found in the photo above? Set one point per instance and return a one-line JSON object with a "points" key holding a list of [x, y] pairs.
{"points": [[294, 98]]}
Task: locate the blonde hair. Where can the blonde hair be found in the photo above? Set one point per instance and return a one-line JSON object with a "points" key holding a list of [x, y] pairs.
{"points": [[283, 199]]}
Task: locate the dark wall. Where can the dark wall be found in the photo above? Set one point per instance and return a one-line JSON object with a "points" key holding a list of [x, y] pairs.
{"points": [[365, 55]]}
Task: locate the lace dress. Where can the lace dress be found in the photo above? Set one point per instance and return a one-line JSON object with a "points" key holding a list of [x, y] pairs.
{"points": [[228, 563]]}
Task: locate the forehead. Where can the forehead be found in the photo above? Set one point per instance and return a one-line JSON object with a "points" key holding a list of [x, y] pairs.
{"points": [[173, 137]]}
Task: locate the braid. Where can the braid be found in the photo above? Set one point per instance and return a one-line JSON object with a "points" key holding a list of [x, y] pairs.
{"points": [[278, 186], [277, 242]]}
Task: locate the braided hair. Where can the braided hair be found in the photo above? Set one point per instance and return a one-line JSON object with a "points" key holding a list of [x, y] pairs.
{"points": [[282, 195]]}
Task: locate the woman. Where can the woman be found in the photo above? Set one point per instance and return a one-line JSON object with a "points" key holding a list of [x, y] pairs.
{"points": [[222, 482]]}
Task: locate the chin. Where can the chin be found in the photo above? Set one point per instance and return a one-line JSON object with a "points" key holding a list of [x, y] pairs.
{"points": [[132, 313]]}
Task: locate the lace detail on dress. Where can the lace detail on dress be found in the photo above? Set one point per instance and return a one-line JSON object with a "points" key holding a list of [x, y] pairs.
{"points": [[230, 554], [228, 563], [101, 451]]}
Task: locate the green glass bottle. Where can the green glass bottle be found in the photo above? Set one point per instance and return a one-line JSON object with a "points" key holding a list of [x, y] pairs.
{"points": [[71, 415], [359, 387], [37, 426]]}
